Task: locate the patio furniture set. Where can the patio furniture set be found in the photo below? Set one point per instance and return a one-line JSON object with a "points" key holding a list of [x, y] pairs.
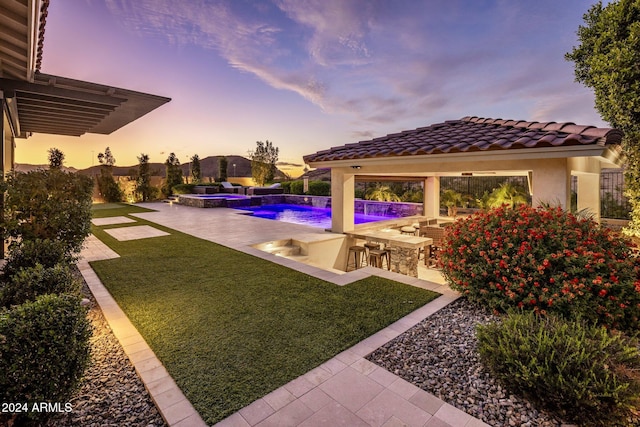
{"points": [[398, 248]]}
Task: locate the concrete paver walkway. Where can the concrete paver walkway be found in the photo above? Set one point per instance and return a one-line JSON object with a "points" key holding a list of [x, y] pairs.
{"points": [[347, 390]]}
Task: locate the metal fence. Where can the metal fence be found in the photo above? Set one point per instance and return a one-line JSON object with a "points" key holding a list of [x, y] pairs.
{"points": [[613, 203], [474, 187]]}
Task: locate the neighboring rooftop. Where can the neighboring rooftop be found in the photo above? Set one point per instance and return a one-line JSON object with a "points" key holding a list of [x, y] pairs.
{"points": [[472, 134]]}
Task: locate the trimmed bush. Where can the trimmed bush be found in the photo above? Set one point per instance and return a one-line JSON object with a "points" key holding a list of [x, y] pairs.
{"points": [[584, 373], [319, 188], [297, 187], [544, 259], [183, 188], [47, 253], [48, 204], [29, 283], [44, 348]]}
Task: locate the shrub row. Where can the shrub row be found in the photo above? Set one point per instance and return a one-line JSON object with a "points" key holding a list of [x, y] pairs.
{"points": [[44, 330], [316, 188]]}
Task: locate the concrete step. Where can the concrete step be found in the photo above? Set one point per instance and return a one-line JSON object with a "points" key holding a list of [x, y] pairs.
{"points": [[288, 250]]}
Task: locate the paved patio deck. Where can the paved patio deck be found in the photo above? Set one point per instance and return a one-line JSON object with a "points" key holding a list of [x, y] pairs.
{"points": [[347, 390]]}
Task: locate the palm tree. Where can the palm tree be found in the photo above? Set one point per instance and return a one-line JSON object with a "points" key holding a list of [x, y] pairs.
{"points": [[382, 193], [452, 200], [506, 194]]}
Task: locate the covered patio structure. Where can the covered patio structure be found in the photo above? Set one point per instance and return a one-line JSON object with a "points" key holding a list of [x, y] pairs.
{"points": [[548, 154]]}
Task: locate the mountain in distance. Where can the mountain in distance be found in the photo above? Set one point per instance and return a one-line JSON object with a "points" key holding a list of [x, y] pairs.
{"points": [[26, 167], [209, 167]]}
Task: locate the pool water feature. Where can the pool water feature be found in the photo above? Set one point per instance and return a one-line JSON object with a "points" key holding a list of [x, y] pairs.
{"points": [[306, 215]]}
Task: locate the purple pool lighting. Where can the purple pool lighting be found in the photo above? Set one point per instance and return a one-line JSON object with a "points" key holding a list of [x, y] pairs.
{"points": [[224, 196], [305, 215]]}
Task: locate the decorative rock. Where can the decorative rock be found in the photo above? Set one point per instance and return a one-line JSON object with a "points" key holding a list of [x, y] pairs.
{"points": [[444, 361], [111, 393]]}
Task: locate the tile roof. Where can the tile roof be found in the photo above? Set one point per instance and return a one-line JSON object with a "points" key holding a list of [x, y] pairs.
{"points": [[471, 134]]}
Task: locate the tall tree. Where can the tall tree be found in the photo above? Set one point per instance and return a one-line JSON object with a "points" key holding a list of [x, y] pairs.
{"points": [[106, 158], [263, 162], [56, 158], [196, 170], [223, 164], [173, 174], [144, 190], [607, 60], [107, 185]]}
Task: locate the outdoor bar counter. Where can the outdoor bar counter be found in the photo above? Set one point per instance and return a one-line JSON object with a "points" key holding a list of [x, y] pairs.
{"points": [[404, 248]]}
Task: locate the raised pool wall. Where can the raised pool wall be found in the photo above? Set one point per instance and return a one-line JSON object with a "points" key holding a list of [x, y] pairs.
{"points": [[369, 207]]}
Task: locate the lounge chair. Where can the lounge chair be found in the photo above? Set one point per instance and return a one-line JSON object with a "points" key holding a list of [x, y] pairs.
{"points": [[271, 189], [227, 187]]}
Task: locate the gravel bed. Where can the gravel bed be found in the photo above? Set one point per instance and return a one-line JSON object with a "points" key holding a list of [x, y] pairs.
{"points": [[111, 393], [440, 356]]}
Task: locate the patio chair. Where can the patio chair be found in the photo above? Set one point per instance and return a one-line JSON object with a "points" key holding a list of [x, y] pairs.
{"points": [[437, 234], [228, 187], [271, 189], [428, 221]]}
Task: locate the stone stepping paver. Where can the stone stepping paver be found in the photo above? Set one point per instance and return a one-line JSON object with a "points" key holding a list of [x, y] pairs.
{"points": [[94, 250], [135, 232], [112, 220]]}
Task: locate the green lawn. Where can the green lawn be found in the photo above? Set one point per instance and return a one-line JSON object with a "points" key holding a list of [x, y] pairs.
{"points": [[230, 327]]}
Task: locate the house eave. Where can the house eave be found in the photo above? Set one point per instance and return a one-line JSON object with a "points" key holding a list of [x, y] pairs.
{"points": [[606, 154]]}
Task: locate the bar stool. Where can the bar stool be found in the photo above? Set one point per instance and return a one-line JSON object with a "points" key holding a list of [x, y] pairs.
{"points": [[371, 245], [377, 256], [359, 257]]}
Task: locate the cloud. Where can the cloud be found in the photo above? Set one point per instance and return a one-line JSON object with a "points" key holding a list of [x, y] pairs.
{"points": [[384, 64], [289, 164]]}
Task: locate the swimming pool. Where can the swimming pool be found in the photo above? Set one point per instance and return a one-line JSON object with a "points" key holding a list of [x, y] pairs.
{"points": [[305, 215]]}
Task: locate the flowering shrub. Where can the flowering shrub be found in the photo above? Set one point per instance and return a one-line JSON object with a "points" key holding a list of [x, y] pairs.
{"points": [[545, 259]]}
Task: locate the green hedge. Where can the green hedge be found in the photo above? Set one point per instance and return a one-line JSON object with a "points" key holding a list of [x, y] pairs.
{"points": [[29, 253], [319, 188], [183, 188], [316, 188], [29, 283], [583, 373], [48, 204], [44, 348]]}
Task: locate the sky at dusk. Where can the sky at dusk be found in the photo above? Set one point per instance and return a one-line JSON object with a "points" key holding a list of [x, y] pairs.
{"points": [[309, 75]]}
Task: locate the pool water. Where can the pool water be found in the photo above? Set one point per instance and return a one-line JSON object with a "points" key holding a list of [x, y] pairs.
{"points": [[305, 215]]}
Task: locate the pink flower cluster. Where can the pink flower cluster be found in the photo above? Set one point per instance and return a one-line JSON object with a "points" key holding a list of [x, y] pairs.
{"points": [[547, 260]]}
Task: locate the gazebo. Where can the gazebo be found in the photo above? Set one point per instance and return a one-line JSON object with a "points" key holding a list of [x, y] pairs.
{"points": [[548, 154]]}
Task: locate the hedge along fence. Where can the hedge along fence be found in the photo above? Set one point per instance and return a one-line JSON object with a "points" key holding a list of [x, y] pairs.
{"points": [[316, 188], [546, 260]]}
